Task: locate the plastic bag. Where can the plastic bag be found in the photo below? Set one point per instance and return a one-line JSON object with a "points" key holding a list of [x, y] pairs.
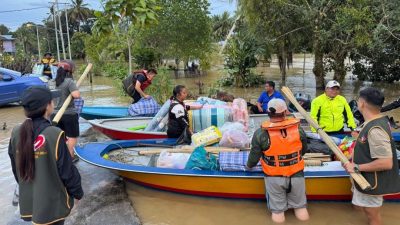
{"points": [[200, 159], [172, 160], [231, 126], [347, 146], [235, 139], [240, 113], [207, 136]]}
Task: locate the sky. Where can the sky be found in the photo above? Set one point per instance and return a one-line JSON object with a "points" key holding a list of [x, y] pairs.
{"points": [[15, 19]]}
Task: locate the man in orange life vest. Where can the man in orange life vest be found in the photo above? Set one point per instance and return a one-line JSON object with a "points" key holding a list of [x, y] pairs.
{"points": [[279, 144]]}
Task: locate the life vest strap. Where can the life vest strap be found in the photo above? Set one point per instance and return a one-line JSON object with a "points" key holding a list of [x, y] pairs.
{"points": [[292, 161]]}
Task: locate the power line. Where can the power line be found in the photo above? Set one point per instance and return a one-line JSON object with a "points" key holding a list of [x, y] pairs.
{"points": [[18, 10]]}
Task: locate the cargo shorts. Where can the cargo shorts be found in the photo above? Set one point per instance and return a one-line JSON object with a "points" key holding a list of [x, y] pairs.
{"points": [[281, 197]]}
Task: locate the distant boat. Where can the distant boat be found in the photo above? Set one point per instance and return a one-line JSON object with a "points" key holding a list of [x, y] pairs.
{"points": [[327, 183], [103, 112]]}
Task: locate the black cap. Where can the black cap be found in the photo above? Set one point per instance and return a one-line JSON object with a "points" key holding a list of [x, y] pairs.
{"points": [[35, 97]]}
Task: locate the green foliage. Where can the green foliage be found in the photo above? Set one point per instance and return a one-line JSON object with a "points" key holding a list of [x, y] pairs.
{"points": [[138, 12], [183, 31], [379, 60], [116, 70], [78, 45], [221, 25], [19, 63], [161, 87], [4, 29], [145, 57], [241, 53]]}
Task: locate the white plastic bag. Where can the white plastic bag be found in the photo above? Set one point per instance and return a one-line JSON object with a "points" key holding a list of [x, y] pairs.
{"points": [[232, 126], [235, 139], [172, 160]]}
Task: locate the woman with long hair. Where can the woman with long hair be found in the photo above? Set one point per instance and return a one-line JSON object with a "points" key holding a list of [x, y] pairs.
{"points": [[69, 122], [178, 120], [41, 163]]}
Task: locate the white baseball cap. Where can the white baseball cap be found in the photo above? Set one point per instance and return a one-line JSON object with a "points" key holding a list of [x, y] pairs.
{"points": [[332, 83], [278, 104]]}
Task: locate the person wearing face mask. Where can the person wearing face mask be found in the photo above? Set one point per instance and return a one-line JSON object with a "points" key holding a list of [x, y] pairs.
{"points": [[331, 110]]}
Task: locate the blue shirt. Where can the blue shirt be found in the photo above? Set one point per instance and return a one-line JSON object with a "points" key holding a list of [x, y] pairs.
{"points": [[264, 99]]}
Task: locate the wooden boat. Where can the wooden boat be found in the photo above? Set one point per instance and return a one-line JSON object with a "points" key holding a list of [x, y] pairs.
{"points": [[331, 184], [119, 129], [103, 112]]}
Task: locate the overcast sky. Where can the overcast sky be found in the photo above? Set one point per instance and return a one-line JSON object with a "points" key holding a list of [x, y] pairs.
{"points": [[14, 19]]}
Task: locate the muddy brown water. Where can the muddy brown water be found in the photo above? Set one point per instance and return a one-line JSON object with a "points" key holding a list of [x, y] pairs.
{"points": [[163, 208]]}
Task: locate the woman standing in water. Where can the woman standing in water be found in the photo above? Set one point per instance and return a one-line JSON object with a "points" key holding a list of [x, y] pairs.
{"points": [[178, 120], [69, 122], [41, 163]]}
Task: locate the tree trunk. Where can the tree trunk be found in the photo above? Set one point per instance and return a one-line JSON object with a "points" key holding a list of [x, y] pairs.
{"points": [[339, 68], [129, 54], [318, 69], [282, 60]]}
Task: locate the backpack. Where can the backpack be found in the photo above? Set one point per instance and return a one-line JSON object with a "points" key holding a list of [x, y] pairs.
{"points": [[128, 84]]}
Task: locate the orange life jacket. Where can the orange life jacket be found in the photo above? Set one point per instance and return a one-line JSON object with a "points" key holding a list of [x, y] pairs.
{"points": [[283, 158]]}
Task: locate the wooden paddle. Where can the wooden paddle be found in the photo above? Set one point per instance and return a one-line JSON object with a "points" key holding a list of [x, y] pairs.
{"points": [[60, 112], [356, 176]]}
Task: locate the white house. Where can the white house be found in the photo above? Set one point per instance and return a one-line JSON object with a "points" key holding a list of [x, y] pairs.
{"points": [[7, 44]]}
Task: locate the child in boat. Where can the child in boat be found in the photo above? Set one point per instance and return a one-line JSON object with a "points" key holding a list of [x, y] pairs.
{"points": [[178, 120], [48, 181], [280, 144]]}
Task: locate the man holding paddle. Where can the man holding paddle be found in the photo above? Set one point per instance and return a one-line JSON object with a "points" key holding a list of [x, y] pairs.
{"points": [[374, 157]]}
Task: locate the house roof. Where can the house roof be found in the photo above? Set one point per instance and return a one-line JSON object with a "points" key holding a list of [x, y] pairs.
{"points": [[7, 37]]}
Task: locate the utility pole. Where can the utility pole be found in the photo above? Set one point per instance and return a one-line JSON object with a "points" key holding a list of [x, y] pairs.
{"points": [[55, 29], [38, 42], [61, 31], [69, 42]]}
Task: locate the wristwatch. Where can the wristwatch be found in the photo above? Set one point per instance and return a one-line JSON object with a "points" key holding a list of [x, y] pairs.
{"points": [[356, 168]]}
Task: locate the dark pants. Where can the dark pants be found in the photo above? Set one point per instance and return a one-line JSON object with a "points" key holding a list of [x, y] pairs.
{"points": [[254, 110], [136, 97]]}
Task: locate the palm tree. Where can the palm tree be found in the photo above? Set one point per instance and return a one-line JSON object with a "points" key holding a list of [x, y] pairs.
{"points": [[79, 13], [221, 25]]}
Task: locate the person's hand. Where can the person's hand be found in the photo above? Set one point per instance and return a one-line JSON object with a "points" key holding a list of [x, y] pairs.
{"points": [[349, 167], [260, 109], [354, 134], [76, 201], [146, 96]]}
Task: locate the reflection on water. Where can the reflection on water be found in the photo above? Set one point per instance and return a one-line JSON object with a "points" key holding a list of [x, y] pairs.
{"points": [[156, 207]]}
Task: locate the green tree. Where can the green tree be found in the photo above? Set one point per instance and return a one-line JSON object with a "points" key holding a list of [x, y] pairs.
{"points": [[379, 60], [221, 25], [241, 53], [183, 31], [127, 15], [79, 13], [4, 29]]}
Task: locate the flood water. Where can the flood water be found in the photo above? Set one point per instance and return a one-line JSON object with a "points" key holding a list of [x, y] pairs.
{"points": [[163, 208]]}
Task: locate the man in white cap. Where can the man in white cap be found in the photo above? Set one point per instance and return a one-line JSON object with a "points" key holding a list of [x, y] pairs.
{"points": [[280, 144], [331, 110]]}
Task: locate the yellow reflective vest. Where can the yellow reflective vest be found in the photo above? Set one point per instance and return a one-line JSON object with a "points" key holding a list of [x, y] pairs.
{"points": [[332, 113]]}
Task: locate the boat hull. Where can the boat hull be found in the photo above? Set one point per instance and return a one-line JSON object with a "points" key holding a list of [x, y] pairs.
{"points": [[320, 185]]}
